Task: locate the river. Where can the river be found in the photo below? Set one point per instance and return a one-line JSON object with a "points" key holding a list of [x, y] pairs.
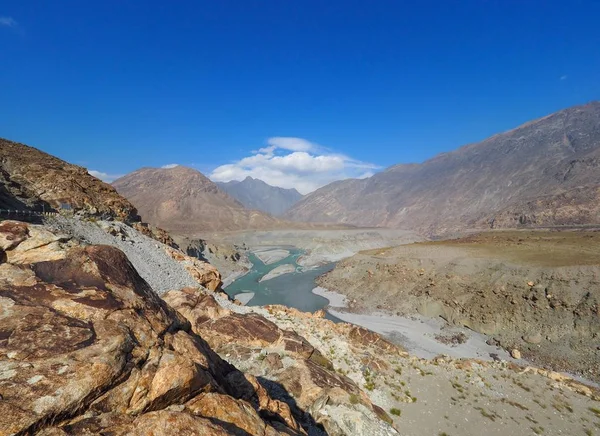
{"points": [[292, 289]]}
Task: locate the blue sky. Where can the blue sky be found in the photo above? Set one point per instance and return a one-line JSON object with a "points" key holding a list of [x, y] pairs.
{"points": [[326, 89]]}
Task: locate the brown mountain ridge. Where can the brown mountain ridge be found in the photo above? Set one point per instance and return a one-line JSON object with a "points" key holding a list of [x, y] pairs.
{"points": [[543, 173], [184, 201]]}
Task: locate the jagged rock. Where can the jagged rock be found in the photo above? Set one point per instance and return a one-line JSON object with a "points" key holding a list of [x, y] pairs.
{"points": [[203, 272], [155, 233], [303, 372], [86, 347]]}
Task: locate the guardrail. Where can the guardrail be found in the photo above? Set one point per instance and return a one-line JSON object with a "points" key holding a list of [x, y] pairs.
{"points": [[25, 213]]}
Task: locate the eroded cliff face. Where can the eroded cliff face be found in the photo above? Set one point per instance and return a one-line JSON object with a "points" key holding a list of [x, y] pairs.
{"points": [[87, 347], [32, 179]]}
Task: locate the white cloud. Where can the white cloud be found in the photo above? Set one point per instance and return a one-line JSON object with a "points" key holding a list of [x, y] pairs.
{"points": [[105, 177], [294, 163], [169, 166], [8, 21]]}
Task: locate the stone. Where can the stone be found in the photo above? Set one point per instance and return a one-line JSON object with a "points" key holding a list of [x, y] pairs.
{"points": [[319, 313], [273, 361], [534, 338], [516, 354], [307, 376], [203, 272], [86, 347]]}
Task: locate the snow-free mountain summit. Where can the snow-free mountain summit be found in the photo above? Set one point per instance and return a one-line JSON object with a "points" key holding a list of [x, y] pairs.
{"points": [[256, 194]]}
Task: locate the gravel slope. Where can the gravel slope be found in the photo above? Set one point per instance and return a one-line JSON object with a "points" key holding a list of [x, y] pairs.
{"points": [[146, 254]]}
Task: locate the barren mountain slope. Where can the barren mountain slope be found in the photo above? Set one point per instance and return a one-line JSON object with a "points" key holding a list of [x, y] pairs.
{"points": [[32, 179], [256, 194], [184, 201], [558, 155]]}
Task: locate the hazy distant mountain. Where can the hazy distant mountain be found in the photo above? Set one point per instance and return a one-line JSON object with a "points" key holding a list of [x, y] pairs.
{"points": [[256, 194], [184, 201], [545, 172]]}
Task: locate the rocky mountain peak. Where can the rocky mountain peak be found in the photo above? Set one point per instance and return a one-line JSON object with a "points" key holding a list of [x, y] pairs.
{"points": [[257, 194], [185, 201]]}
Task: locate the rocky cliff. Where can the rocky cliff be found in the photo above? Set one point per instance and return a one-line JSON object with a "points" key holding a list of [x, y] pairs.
{"points": [[32, 179], [538, 292], [545, 172]]}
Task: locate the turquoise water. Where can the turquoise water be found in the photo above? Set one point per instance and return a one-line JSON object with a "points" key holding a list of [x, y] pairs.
{"points": [[292, 290]]}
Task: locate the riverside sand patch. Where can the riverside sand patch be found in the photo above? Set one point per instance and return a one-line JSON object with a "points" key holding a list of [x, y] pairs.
{"points": [[319, 246], [244, 297], [419, 335]]}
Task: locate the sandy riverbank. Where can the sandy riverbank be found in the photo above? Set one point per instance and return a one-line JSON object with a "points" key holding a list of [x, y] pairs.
{"points": [[421, 336]]}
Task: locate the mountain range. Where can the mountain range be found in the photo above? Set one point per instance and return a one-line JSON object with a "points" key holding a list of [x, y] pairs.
{"points": [[256, 194], [184, 201], [543, 173]]}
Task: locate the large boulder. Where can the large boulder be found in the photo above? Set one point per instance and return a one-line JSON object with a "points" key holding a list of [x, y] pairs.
{"points": [[87, 347]]}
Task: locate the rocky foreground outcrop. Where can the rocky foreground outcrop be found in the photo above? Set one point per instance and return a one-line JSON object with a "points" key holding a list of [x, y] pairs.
{"points": [[87, 347], [285, 362]]}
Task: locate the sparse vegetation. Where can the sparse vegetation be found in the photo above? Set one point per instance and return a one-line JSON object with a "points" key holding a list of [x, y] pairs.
{"points": [[354, 399], [595, 411], [514, 404], [489, 415], [396, 412]]}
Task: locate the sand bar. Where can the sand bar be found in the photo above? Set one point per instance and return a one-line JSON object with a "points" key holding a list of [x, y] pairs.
{"points": [[269, 256], [276, 272]]}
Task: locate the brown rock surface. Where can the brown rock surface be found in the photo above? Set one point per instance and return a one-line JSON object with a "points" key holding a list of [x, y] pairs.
{"points": [[203, 272], [86, 347], [291, 364], [31, 179]]}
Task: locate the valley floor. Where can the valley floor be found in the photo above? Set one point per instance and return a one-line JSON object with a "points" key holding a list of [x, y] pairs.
{"points": [[537, 292]]}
